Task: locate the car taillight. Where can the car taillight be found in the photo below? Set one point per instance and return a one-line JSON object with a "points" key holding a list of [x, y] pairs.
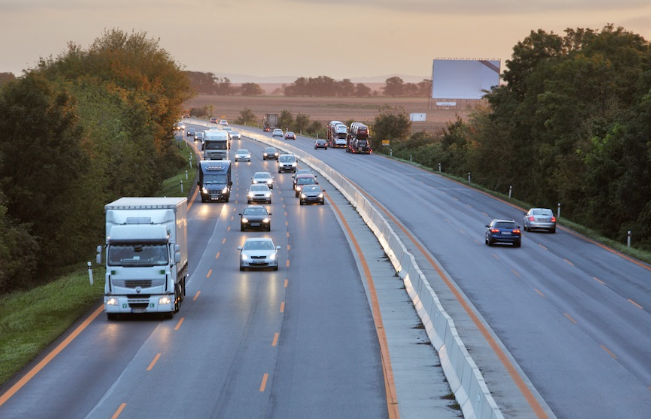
{"points": [[516, 231], [495, 230], [531, 218], [553, 219]]}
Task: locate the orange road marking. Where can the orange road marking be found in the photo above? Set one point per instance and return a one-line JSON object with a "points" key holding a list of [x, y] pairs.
{"points": [[151, 366], [515, 272], [598, 280], [513, 373], [389, 381], [495, 256], [568, 262], [539, 292], [217, 256], [286, 223], [224, 241], [287, 247], [234, 209], [229, 228], [485, 214], [264, 382], [275, 341], [288, 264], [542, 246], [178, 325], [634, 303], [285, 213], [49, 357], [570, 318], [209, 273], [282, 307], [286, 282], [609, 353], [196, 296], [232, 218], [194, 195], [117, 412], [288, 234]]}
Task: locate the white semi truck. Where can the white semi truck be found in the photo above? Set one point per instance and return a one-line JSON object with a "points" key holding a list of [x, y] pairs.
{"points": [[216, 144], [146, 256]]}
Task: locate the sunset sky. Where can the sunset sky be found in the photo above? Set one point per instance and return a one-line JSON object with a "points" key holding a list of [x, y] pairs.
{"points": [[335, 38]]}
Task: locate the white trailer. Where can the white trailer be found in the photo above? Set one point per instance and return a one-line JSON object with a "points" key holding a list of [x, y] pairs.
{"points": [[146, 253], [216, 145]]}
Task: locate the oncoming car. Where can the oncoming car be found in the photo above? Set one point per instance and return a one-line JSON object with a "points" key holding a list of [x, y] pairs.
{"points": [[503, 231], [255, 216], [199, 136], [263, 177], [242, 155], [277, 133], [236, 135], [312, 194], [259, 193], [287, 163], [259, 253], [270, 153], [539, 219], [301, 181]]}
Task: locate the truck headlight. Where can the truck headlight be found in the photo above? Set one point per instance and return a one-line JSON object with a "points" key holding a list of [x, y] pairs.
{"points": [[164, 300], [251, 194], [112, 301], [204, 190], [225, 190]]}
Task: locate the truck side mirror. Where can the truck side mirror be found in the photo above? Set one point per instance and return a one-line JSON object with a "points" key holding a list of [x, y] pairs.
{"points": [[98, 257], [177, 257], [177, 248]]}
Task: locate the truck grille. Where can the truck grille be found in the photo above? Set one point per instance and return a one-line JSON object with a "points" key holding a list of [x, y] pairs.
{"points": [[134, 283]]}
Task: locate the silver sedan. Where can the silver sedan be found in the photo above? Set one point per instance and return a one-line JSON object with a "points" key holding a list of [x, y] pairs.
{"points": [[540, 219], [242, 155], [259, 253]]}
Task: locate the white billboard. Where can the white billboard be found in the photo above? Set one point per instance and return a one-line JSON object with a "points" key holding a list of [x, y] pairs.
{"points": [[463, 79]]}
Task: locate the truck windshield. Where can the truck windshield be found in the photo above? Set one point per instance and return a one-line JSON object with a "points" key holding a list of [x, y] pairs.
{"points": [[137, 255], [214, 178], [216, 145]]}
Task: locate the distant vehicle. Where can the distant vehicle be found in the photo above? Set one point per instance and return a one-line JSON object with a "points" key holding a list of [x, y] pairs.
{"points": [[259, 193], [214, 180], [358, 139], [259, 253], [223, 122], [215, 145], [263, 177], [255, 216], [540, 219], [180, 126], [302, 180], [503, 231], [213, 120], [302, 172], [290, 135], [320, 144], [312, 194], [270, 153], [277, 133], [199, 136], [235, 135], [336, 133], [242, 155], [287, 163], [269, 122], [190, 132], [187, 115]]}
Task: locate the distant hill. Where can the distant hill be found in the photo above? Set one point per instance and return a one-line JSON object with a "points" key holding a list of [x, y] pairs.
{"points": [[245, 78]]}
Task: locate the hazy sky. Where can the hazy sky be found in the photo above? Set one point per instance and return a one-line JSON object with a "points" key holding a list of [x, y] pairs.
{"points": [[335, 38]]}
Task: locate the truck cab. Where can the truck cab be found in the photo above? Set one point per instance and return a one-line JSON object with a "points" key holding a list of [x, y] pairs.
{"points": [[214, 180], [215, 145]]}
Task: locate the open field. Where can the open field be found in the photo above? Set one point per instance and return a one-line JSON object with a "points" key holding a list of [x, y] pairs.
{"points": [[333, 108]]}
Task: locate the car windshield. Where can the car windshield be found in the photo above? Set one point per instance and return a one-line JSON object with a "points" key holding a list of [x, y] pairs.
{"points": [[270, 150], [286, 159], [303, 172], [255, 211], [213, 145], [137, 255], [305, 181], [262, 176], [505, 225], [215, 178], [311, 189], [258, 188], [258, 245], [242, 151], [235, 132]]}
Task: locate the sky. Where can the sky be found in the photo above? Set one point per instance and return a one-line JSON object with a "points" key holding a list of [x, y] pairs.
{"points": [[351, 39]]}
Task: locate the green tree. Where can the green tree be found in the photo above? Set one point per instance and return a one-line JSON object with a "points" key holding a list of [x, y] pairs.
{"points": [[247, 117], [362, 90], [301, 123], [393, 124], [285, 120], [251, 89], [394, 87]]}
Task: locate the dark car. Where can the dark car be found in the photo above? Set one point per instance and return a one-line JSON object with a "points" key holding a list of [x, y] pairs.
{"points": [[290, 136], [255, 216], [190, 132], [301, 181], [540, 219], [270, 153], [320, 144], [266, 129], [312, 194], [503, 231]]}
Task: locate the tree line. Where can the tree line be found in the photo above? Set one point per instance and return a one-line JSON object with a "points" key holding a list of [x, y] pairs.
{"points": [[571, 124], [78, 131], [322, 86]]}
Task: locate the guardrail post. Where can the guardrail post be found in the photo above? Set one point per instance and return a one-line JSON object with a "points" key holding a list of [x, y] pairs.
{"points": [[181, 186], [468, 177], [510, 190], [439, 167], [558, 212], [90, 273], [628, 239]]}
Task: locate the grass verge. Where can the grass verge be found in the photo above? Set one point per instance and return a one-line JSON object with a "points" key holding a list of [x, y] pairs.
{"points": [[31, 320]]}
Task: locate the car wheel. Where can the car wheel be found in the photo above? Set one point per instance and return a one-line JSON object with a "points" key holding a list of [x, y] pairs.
{"points": [[489, 242], [326, 148], [275, 268], [322, 202], [269, 227], [300, 202], [248, 201], [269, 202], [241, 268], [203, 199], [553, 230], [227, 198], [518, 244], [242, 228]]}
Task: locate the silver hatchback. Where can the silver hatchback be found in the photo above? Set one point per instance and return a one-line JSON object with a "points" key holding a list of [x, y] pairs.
{"points": [[540, 219]]}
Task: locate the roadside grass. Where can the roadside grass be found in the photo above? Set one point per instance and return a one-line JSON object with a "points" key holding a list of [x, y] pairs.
{"points": [[31, 320], [639, 254]]}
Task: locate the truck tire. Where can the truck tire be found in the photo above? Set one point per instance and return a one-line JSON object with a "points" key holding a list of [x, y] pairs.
{"points": [[111, 316]]}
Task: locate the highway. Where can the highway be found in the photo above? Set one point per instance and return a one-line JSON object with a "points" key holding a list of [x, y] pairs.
{"points": [[572, 313], [297, 342]]}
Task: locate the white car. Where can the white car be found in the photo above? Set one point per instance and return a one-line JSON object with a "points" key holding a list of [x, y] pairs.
{"points": [[259, 193], [263, 177], [242, 155], [259, 253], [223, 122], [236, 135], [277, 133]]}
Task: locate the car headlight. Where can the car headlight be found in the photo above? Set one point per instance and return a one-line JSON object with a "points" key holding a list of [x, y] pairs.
{"points": [[204, 190], [251, 194], [294, 164], [245, 220], [266, 220], [245, 256], [164, 300], [225, 190], [267, 194], [112, 301], [303, 195], [320, 195], [269, 181], [264, 154], [272, 256]]}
